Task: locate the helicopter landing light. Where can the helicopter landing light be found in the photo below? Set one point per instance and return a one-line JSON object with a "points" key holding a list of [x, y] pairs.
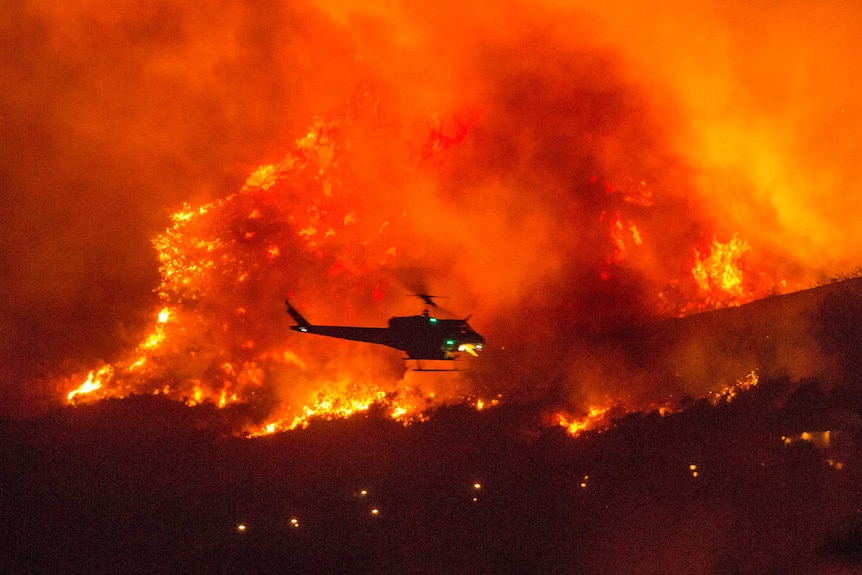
{"points": [[470, 348]]}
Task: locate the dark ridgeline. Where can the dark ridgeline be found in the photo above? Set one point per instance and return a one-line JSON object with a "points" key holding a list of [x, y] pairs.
{"points": [[754, 485]]}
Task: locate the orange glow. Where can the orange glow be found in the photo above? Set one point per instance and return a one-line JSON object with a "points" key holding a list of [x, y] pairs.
{"points": [[501, 192], [479, 404], [509, 155], [622, 235], [218, 338], [208, 256], [92, 384], [594, 418], [719, 275], [731, 391]]}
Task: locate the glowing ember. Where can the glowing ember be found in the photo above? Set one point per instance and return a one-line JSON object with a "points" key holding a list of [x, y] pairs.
{"points": [[731, 391], [479, 404]]}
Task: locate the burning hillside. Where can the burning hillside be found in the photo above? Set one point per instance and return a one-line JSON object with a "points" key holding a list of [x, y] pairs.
{"points": [[551, 178], [628, 202], [764, 480], [310, 224]]}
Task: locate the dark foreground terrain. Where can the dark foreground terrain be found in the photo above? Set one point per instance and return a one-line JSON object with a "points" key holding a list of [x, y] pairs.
{"points": [[769, 481], [145, 485]]}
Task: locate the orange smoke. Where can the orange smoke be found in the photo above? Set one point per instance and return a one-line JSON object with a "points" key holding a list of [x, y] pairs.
{"points": [[555, 169]]}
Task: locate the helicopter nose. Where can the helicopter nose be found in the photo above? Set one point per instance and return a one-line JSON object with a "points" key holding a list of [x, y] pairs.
{"points": [[470, 348], [472, 344]]}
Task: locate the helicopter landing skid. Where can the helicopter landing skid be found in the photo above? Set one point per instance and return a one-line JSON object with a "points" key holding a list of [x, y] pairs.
{"points": [[437, 369]]}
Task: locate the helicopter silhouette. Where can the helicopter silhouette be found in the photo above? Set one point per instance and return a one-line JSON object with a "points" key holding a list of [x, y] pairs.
{"points": [[421, 337]]}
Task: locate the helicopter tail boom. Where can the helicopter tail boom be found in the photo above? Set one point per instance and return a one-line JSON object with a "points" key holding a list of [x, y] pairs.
{"points": [[297, 317]]}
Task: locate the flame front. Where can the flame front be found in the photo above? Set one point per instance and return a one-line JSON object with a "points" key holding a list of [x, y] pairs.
{"points": [[548, 181], [594, 418], [219, 333]]}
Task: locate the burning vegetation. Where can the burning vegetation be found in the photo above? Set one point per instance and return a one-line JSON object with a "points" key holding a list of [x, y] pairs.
{"points": [[549, 177], [307, 222], [583, 171], [613, 193], [316, 224], [219, 334]]}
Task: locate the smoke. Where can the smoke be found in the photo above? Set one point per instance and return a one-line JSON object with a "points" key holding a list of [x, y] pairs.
{"points": [[551, 167]]}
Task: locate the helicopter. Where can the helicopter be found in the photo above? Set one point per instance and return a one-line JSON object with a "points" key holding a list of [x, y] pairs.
{"points": [[421, 337]]}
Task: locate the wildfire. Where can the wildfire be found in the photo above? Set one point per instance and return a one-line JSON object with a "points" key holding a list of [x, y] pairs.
{"points": [[594, 418], [731, 391], [403, 407], [719, 275], [218, 334], [93, 383]]}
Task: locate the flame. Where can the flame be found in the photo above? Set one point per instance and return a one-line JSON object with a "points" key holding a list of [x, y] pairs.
{"points": [[307, 222], [594, 418], [719, 275], [731, 391], [214, 337], [210, 343], [93, 383]]}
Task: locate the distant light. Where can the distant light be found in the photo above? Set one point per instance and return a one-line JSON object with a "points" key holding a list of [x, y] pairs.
{"points": [[475, 499], [450, 342], [302, 329], [294, 522], [241, 527], [432, 319], [375, 512], [477, 486], [363, 493]]}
